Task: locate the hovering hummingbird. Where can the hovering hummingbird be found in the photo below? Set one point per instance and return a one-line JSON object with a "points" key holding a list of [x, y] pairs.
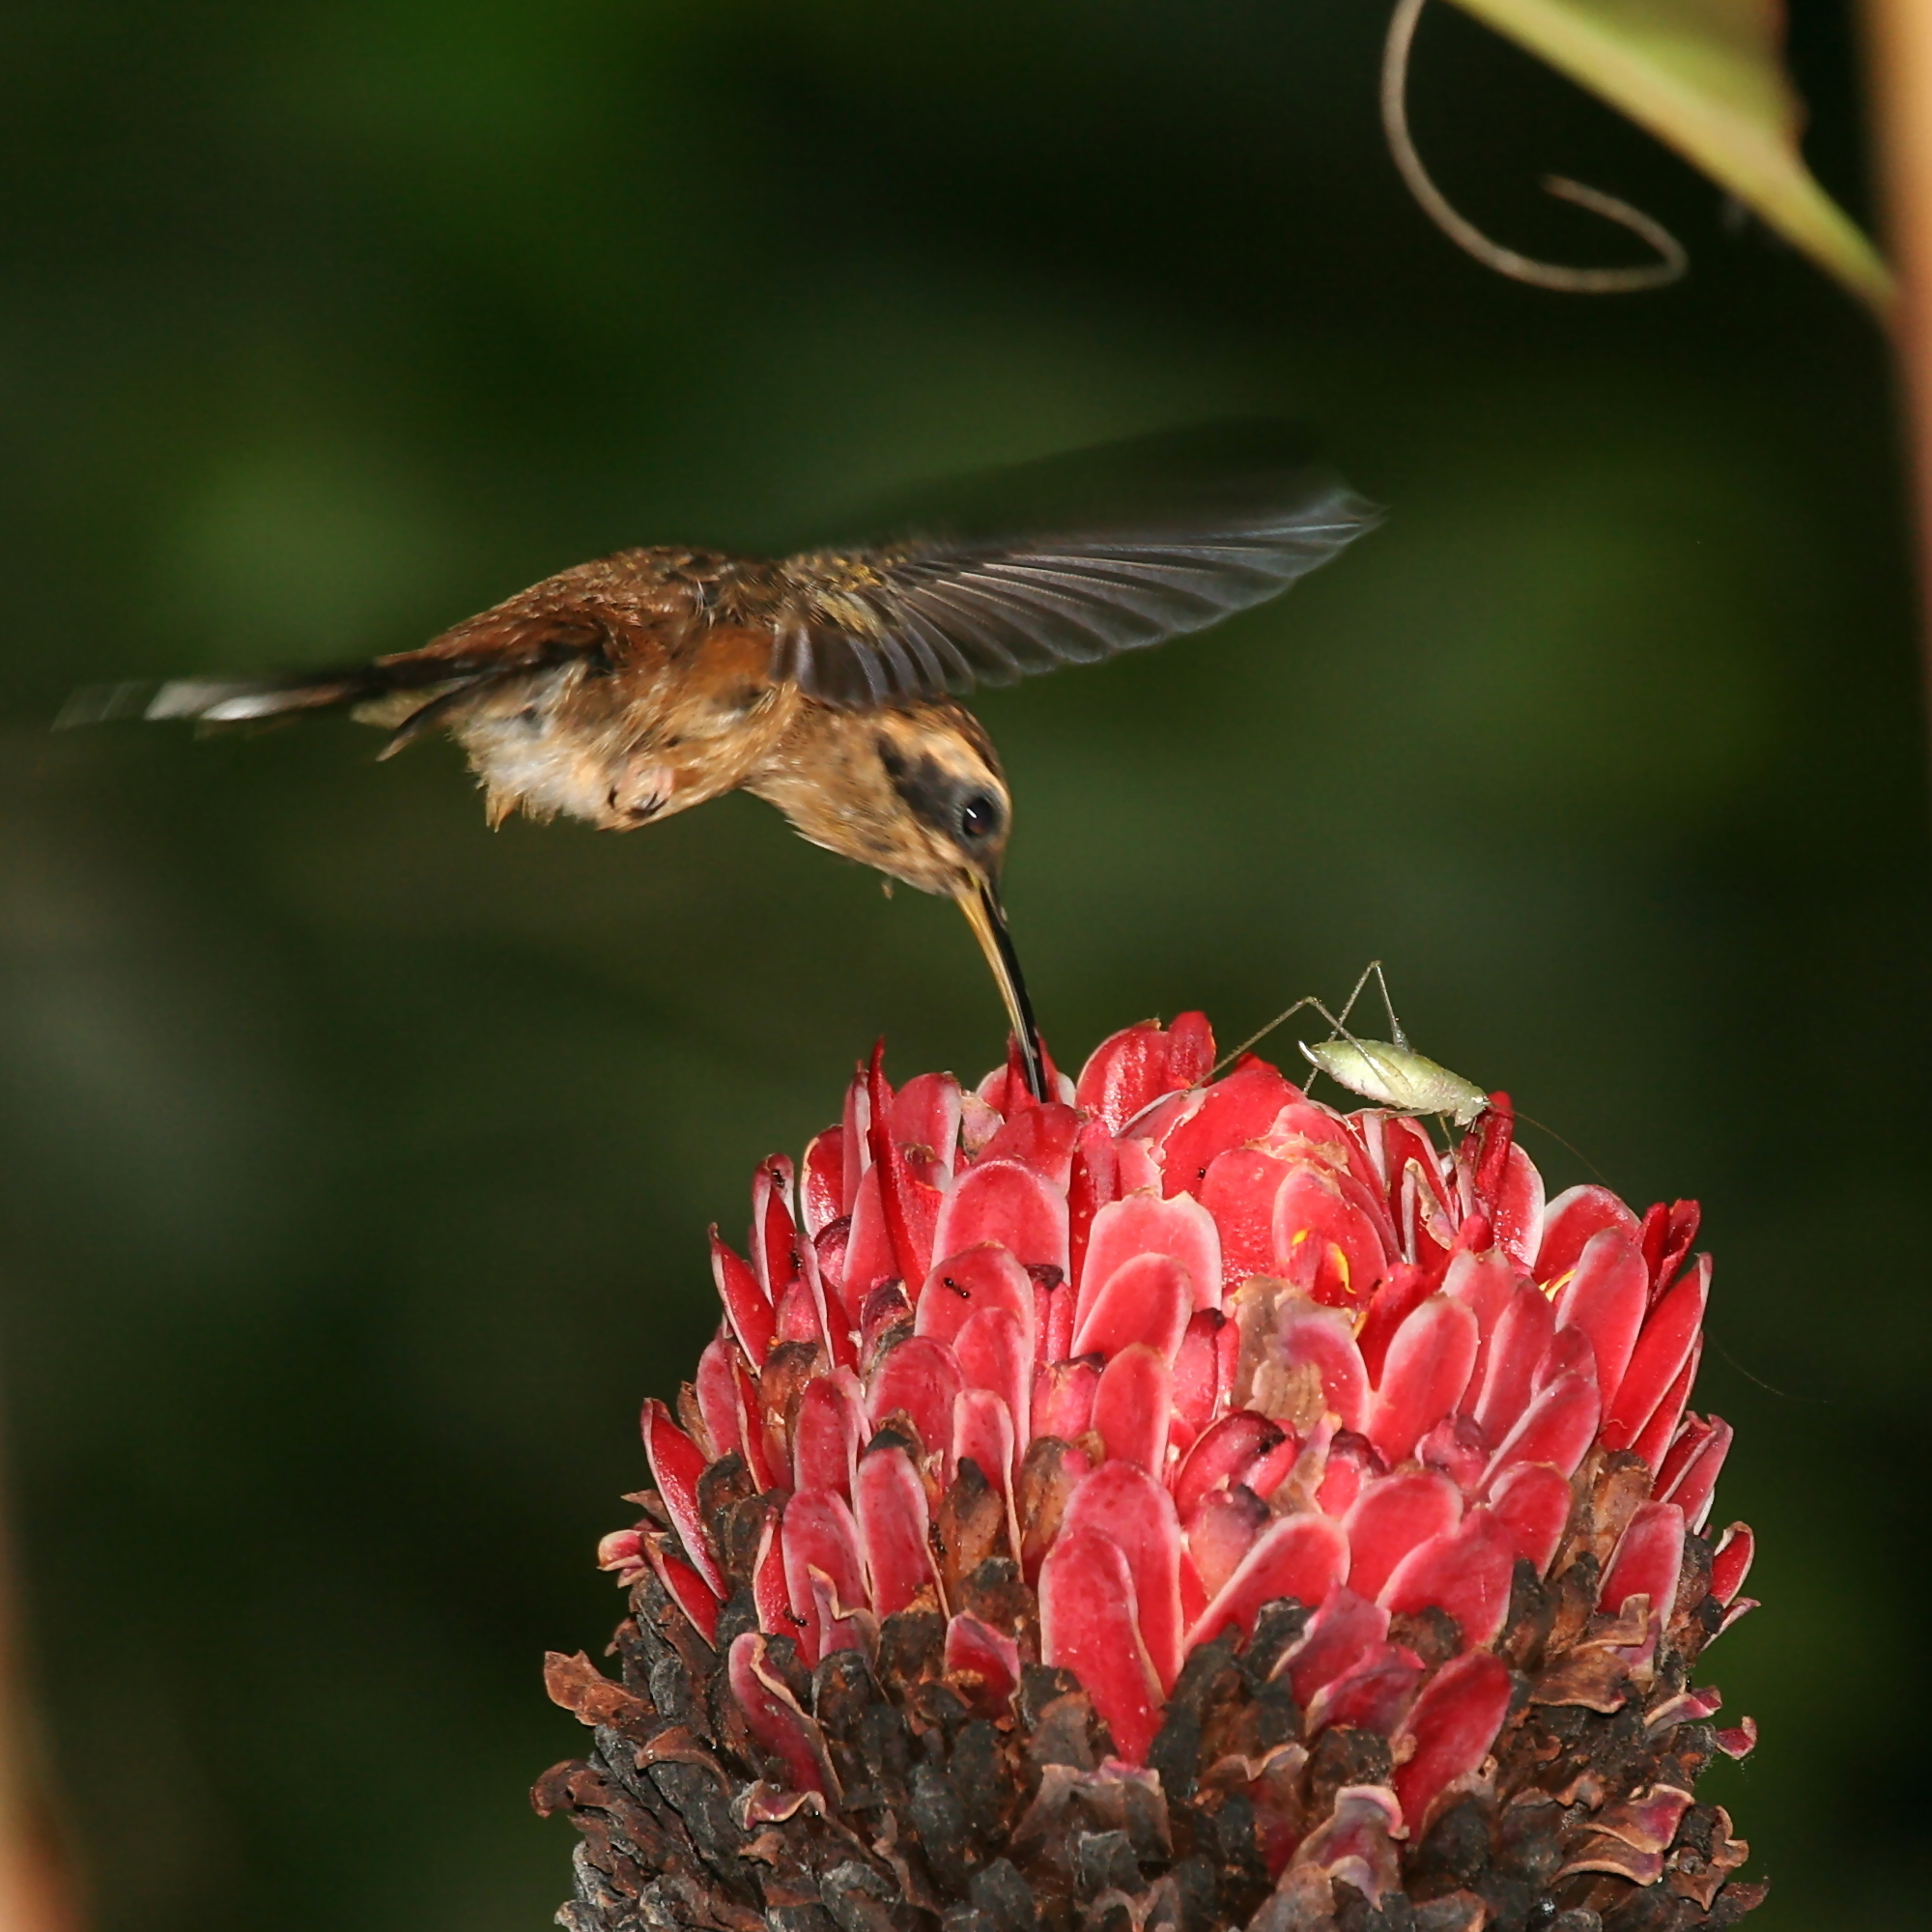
{"points": [[638, 684]]}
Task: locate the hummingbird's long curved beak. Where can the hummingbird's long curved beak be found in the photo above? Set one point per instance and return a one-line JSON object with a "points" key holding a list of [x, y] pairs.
{"points": [[980, 903]]}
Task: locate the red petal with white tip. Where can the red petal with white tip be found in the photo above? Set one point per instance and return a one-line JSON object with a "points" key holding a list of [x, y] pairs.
{"points": [[1516, 1209], [1146, 1299], [1406, 1289], [774, 1256], [925, 1124], [1346, 1461], [1557, 1427], [1393, 1516], [1648, 1558], [1306, 1333], [1458, 1449], [1122, 1503], [1731, 1562], [1132, 1406], [820, 1537], [1570, 1221], [1233, 1112], [688, 1590], [1454, 1723], [676, 1463], [958, 1287], [1697, 1481], [1143, 1224], [894, 1523], [768, 1581], [825, 1436], [1301, 1556], [995, 1355], [1466, 1572], [1606, 1299], [1375, 1695], [1428, 1369], [1239, 1192], [1669, 1334], [1088, 1625], [1134, 1068], [1327, 1240], [774, 1717], [1052, 1320], [1345, 1631], [1534, 1500], [746, 1306], [1002, 1200], [921, 1377], [1223, 1455]]}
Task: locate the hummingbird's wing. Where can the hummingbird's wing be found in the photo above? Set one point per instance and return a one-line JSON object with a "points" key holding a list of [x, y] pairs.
{"points": [[931, 616]]}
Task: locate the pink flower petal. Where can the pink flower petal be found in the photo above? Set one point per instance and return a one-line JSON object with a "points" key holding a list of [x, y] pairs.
{"points": [[1454, 1723], [687, 1589], [746, 1307], [1132, 1406], [1329, 1239], [1233, 1112], [1669, 1334], [958, 1287], [1653, 1444], [1239, 1191], [1346, 1462], [1668, 1234], [774, 1717], [774, 1245], [1062, 1399], [1486, 1284], [821, 1538], [1695, 1485], [1146, 1299], [919, 1377], [995, 1355], [983, 1428], [1375, 1695], [717, 1387], [1428, 1369], [925, 1124], [1465, 1570], [1516, 1211], [676, 1463], [1606, 1299], [1202, 1371], [1457, 1448], [1517, 1348], [823, 1194], [1731, 1563], [1223, 1455], [1557, 1427], [1647, 1561], [1301, 1556], [1122, 1503], [1053, 1320], [825, 1436], [1344, 1632], [1002, 1200], [1308, 1334], [1134, 1068], [1221, 1528], [1040, 1139], [768, 1581], [1143, 1224], [1569, 1222], [893, 1524], [1393, 1516], [1533, 1501], [978, 1650], [1089, 1625]]}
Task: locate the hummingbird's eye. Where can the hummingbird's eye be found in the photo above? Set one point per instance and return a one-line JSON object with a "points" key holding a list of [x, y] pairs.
{"points": [[980, 816]]}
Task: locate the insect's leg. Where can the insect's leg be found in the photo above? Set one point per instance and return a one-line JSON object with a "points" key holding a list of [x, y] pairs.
{"points": [[1341, 1026], [1254, 1039], [1396, 1033]]}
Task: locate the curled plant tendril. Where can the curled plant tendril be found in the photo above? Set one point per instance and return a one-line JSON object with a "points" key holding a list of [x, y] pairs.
{"points": [[1660, 273]]}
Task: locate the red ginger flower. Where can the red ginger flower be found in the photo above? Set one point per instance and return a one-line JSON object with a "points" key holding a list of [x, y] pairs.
{"points": [[1178, 1500]]}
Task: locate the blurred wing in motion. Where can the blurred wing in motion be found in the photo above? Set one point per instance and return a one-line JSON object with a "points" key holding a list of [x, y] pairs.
{"points": [[1162, 536]]}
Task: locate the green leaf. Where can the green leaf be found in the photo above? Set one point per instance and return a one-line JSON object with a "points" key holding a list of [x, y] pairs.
{"points": [[1707, 76]]}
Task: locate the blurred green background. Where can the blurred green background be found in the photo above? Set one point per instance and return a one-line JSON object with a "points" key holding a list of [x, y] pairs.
{"points": [[357, 1163]]}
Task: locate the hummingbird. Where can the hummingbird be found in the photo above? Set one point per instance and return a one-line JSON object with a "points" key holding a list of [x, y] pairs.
{"points": [[625, 690]]}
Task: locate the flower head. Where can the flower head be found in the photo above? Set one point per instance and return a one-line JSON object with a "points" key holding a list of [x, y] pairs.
{"points": [[1177, 1502]]}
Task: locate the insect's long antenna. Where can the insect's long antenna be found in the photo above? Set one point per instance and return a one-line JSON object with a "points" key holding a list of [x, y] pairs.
{"points": [[1254, 1039], [1543, 1126]]}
